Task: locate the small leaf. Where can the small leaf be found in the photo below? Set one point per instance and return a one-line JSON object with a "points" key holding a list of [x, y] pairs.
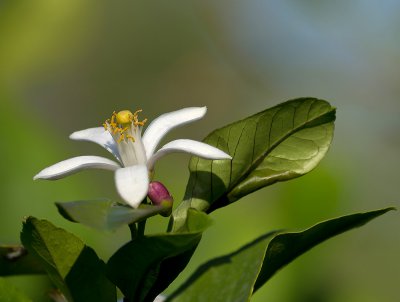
{"points": [[143, 268], [8, 293], [277, 144], [232, 277], [105, 214], [73, 267], [15, 260]]}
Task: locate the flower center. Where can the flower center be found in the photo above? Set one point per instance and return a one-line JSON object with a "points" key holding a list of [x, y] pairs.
{"points": [[120, 123]]}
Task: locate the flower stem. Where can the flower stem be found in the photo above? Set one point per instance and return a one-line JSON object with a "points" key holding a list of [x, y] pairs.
{"points": [[138, 231], [141, 228], [134, 231], [142, 224]]}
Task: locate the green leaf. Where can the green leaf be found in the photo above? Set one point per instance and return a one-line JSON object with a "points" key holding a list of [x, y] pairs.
{"points": [[284, 248], [73, 267], [15, 260], [105, 214], [277, 144], [227, 278], [234, 277], [9, 293], [143, 268]]}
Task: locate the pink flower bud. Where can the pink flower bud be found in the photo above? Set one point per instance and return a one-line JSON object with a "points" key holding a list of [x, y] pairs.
{"points": [[159, 196]]}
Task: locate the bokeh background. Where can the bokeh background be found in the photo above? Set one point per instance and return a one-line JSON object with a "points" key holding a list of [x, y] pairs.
{"points": [[66, 65]]}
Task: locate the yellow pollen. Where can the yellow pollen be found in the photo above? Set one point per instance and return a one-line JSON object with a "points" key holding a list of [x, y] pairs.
{"points": [[120, 122], [121, 138]]}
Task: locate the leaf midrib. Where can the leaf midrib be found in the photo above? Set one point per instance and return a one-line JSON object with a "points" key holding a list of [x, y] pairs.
{"points": [[270, 148]]}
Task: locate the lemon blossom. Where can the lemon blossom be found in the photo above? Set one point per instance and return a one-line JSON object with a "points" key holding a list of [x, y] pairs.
{"points": [[136, 154]]}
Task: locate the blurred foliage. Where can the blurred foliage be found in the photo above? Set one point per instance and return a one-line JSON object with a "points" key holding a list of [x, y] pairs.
{"points": [[67, 65]]}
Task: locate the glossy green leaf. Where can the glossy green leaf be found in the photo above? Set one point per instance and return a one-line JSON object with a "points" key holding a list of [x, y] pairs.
{"points": [[277, 144], [15, 260], [9, 293], [105, 214], [143, 268], [234, 277], [73, 267]]}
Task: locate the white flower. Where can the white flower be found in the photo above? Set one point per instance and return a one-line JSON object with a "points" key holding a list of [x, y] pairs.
{"points": [[136, 155]]}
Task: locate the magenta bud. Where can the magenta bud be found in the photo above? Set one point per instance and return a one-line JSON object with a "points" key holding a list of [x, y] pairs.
{"points": [[159, 196]]}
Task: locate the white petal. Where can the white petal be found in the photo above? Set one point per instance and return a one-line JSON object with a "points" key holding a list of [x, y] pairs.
{"points": [[74, 165], [132, 184], [159, 127], [188, 146], [99, 136]]}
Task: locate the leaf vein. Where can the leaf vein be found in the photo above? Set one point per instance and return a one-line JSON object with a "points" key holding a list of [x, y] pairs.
{"points": [[272, 147], [237, 144]]}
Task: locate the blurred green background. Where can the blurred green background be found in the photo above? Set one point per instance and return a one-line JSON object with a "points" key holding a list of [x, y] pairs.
{"points": [[66, 65]]}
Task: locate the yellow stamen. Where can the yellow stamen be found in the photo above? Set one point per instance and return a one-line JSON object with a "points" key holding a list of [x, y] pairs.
{"points": [[120, 123], [137, 123], [135, 118], [121, 138]]}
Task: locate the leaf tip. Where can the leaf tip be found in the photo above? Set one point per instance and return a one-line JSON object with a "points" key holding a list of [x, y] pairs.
{"points": [[390, 209], [28, 220], [63, 212]]}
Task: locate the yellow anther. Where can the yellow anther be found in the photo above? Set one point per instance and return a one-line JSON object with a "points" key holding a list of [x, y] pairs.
{"points": [[137, 123], [124, 117], [135, 118], [113, 118], [121, 138]]}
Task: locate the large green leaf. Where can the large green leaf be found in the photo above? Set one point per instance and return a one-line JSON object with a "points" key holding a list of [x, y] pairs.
{"points": [[234, 277], [72, 266], [143, 268], [277, 144], [8, 293], [284, 248], [15, 260], [105, 214]]}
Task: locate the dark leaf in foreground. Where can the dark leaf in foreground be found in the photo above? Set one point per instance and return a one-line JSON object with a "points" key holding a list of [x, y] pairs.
{"points": [[234, 277]]}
